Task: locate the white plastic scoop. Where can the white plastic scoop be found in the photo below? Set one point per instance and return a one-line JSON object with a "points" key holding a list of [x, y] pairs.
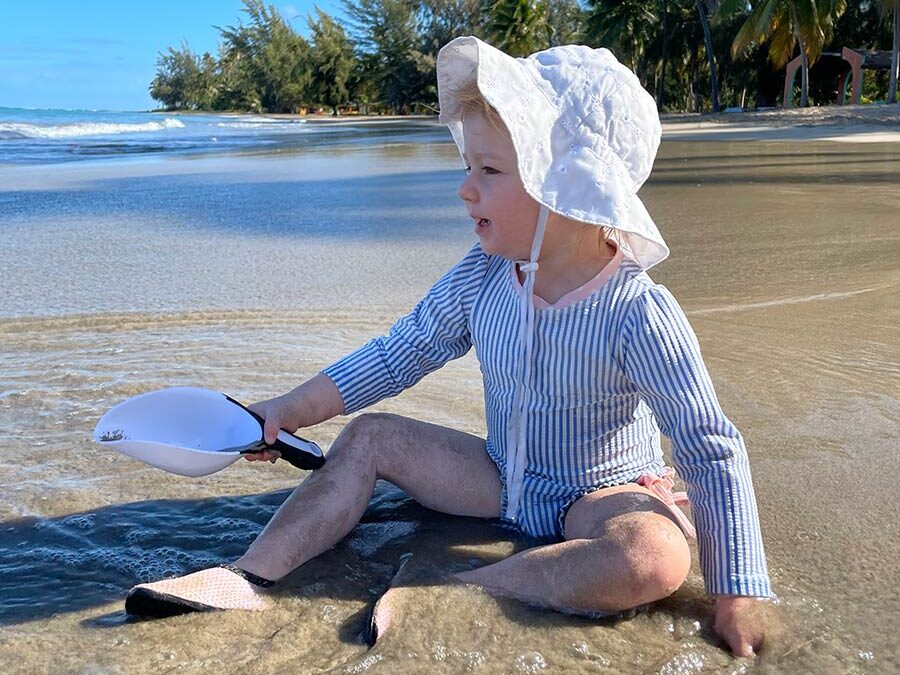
{"points": [[195, 432]]}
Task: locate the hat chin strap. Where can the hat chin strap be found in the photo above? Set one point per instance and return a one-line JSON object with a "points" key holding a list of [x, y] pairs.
{"points": [[516, 450]]}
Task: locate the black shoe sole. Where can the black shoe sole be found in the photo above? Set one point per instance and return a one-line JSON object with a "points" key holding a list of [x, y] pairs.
{"points": [[148, 603]]}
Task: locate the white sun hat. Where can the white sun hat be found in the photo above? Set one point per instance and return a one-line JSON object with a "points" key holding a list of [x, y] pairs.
{"points": [[584, 129]]}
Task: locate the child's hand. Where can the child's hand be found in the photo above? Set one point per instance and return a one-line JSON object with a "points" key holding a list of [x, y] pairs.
{"points": [[278, 413], [742, 623]]}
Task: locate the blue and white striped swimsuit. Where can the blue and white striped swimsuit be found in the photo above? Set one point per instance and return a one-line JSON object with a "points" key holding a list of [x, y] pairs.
{"points": [[608, 373]]}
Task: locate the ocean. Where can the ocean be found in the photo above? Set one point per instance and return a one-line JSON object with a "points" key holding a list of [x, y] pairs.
{"points": [[36, 136]]}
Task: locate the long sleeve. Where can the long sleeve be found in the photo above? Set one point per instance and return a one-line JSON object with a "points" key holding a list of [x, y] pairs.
{"points": [[662, 358], [434, 332]]}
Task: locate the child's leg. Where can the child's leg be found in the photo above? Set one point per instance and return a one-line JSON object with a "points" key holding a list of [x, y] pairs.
{"points": [[443, 469], [622, 549]]}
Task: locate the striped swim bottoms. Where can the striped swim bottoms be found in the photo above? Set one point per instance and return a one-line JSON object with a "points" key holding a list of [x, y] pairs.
{"points": [[542, 515]]}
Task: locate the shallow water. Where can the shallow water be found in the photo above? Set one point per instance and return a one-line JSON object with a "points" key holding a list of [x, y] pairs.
{"points": [[248, 274]]}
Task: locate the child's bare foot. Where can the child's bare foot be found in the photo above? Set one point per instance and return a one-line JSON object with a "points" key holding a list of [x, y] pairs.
{"points": [[217, 588]]}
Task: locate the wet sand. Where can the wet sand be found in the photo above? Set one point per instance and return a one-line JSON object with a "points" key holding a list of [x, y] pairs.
{"points": [[249, 274], [873, 123]]}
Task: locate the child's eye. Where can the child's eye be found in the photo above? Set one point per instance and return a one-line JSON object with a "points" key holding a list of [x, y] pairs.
{"points": [[487, 169]]}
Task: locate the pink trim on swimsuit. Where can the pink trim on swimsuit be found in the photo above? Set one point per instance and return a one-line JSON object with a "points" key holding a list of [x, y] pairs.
{"points": [[582, 292], [662, 486]]}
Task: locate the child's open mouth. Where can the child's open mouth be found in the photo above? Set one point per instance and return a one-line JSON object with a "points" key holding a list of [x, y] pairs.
{"points": [[482, 223]]}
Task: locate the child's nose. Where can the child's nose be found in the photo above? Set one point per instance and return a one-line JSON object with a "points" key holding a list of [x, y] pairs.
{"points": [[467, 190]]}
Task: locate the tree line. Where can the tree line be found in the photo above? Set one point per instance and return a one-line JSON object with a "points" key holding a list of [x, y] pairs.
{"points": [[693, 55]]}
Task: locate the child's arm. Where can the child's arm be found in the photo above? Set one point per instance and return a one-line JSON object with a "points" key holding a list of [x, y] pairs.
{"points": [[662, 358], [312, 402], [435, 332]]}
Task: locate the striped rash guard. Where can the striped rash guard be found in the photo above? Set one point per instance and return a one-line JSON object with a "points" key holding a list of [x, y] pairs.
{"points": [[609, 371]]}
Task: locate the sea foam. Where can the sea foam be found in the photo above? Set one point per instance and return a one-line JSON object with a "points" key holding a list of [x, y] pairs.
{"points": [[14, 130]]}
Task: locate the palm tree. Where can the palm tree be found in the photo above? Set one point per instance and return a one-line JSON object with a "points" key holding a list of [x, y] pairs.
{"points": [[627, 27], [710, 56], [519, 27], [785, 24], [894, 7]]}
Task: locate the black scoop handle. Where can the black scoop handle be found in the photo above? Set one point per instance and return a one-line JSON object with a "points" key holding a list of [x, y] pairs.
{"points": [[298, 451]]}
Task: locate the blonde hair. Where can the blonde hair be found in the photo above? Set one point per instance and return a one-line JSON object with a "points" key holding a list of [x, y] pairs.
{"points": [[471, 100]]}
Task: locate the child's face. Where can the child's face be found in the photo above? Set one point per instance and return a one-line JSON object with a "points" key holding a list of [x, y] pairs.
{"points": [[505, 215]]}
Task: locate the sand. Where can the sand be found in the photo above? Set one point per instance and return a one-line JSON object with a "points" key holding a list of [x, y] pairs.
{"points": [[855, 123]]}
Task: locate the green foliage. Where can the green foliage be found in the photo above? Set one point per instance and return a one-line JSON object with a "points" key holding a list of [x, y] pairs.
{"points": [[787, 25], [391, 45], [270, 55], [784, 24], [332, 61], [891, 10], [263, 66], [565, 19], [628, 28], [443, 20], [183, 79], [519, 27], [383, 58], [648, 35]]}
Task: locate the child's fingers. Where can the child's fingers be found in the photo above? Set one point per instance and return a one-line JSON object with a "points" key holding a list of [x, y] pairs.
{"points": [[271, 428], [261, 456]]}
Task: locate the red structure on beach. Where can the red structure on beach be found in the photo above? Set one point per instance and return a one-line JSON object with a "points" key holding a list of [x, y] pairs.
{"points": [[856, 60]]}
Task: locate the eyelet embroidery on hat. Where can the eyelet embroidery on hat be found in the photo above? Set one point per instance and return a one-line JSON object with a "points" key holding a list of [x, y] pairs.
{"points": [[602, 168]]}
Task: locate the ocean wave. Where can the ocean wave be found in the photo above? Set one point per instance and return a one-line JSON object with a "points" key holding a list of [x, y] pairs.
{"points": [[17, 130]]}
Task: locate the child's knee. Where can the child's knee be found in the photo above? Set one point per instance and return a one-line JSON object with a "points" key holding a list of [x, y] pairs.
{"points": [[655, 555], [374, 439]]}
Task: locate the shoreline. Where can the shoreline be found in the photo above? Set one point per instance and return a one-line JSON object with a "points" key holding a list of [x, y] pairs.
{"points": [[869, 123]]}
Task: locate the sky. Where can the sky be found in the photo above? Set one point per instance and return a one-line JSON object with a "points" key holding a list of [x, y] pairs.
{"points": [[101, 54]]}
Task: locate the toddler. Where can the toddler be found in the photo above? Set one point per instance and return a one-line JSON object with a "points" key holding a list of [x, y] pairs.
{"points": [[584, 361]]}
